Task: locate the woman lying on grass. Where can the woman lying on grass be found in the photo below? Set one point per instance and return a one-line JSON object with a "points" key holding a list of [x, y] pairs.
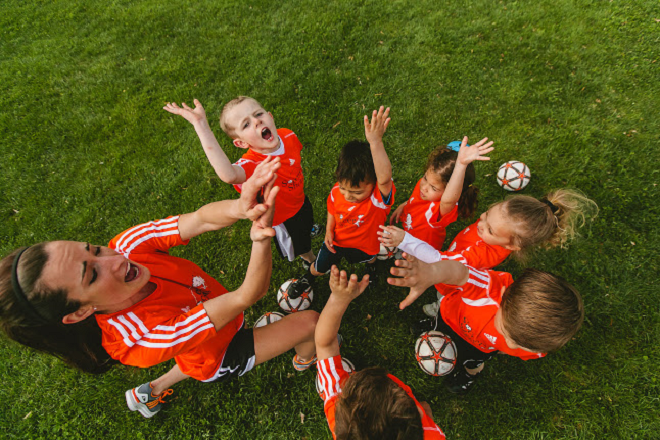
{"points": [[133, 302]]}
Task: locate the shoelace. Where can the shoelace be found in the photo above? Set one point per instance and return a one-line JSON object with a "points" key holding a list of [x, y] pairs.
{"points": [[160, 399]]}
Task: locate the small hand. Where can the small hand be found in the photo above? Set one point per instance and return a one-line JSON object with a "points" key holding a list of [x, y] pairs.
{"points": [[193, 116], [391, 236], [412, 274], [262, 226], [259, 186], [329, 237], [345, 288], [467, 155], [375, 129], [397, 213]]}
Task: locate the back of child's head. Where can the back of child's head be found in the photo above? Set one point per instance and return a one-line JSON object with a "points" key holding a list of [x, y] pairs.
{"points": [[541, 311], [372, 406], [355, 164], [551, 221], [229, 130], [441, 162]]}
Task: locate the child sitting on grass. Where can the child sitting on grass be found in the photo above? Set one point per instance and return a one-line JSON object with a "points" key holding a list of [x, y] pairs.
{"points": [[368, 404], [358, 204], [252, 128], [517, 224], [444, 193], [488, 312]]}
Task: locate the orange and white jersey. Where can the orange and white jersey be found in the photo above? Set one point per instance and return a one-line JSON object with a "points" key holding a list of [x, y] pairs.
{"points": [[470, 311], [171, 322], [356, 224], [331, 376], [422, 219], [476, 252], [289, 177]]}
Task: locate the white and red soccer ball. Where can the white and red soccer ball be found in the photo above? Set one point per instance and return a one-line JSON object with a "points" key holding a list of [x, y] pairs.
{"points": [[268, 318], [291, 305], [348, 367], [385, 252], [513, 175], [435, 353]]}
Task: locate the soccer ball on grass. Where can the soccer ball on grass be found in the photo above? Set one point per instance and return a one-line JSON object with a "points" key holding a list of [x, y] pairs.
{"points": [[435, 353], [513, 175], [290, 305]]}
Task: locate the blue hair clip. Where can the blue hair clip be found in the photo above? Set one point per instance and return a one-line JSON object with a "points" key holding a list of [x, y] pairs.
{"points": [[455, 145]]}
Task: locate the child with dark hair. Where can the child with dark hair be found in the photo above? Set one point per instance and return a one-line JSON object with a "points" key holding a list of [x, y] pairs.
{"points": [[358, 204], [368, 404], [488, 312], [444, 193]]}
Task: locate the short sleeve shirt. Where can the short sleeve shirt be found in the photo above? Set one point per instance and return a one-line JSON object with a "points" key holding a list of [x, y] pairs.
{"points": [[289, 177], [422, 219], [356, 224], [171, 322], [477, 253], [331, 376], [470, 311]]}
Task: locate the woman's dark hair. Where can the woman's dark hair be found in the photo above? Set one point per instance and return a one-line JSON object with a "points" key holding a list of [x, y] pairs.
{"points": [[373, 407], [441, 162], [79, 345], [355, 164]]}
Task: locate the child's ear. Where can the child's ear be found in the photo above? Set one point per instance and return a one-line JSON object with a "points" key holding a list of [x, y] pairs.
{"points": [[241, 144], [512, 247], [79, 315]]}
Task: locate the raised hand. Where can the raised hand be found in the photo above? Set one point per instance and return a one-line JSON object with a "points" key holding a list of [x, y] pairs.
{"points": [[192, 115], [478, 151], [412, 273], [262, 226], [346, 288], [258, 192], [391, 236], [375, 129]]}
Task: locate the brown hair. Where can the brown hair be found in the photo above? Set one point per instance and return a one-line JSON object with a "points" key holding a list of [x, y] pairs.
{"points": [[372, 406], [441, 162], [356, 164], [79, 345], [541, 311], [551, 221], [230, 131]]}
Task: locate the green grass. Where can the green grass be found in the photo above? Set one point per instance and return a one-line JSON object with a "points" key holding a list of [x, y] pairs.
{"points": [[569, 87]]}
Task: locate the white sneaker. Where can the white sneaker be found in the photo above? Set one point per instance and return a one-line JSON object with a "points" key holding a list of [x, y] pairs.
{"points": [[431, 309]]}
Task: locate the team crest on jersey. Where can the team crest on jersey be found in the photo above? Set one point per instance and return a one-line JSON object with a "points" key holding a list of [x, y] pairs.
{"points": [[452, 247], [408, 223], [292, 161], [492, 339], [359, 221], [199, 288], [185, 309], [351, 208]]}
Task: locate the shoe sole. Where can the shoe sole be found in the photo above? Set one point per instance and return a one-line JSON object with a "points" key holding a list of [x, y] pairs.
{"points": [[135, 405]]}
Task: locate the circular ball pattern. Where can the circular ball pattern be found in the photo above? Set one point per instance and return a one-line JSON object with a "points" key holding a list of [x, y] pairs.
{"points": [[290, 305], [435, 353], [268, 318], [513, 175], [385, 253]]}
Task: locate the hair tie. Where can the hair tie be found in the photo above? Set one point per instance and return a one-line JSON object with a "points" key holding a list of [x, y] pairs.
{"points": [[552, 206], [21, 299]]}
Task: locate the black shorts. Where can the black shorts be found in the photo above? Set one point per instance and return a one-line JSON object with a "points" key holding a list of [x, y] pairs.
{"points": [[467, 354], [239, 357], [294, 234], [326, 259]]}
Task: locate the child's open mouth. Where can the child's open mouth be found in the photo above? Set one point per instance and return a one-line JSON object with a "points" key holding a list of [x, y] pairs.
{"points": [[266, 134]]}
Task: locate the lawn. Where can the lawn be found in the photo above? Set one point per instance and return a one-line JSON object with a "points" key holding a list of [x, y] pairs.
{"points": [[566, 86]]}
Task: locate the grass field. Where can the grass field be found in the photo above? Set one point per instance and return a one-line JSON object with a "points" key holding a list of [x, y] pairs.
{"points": [[569, 87]]}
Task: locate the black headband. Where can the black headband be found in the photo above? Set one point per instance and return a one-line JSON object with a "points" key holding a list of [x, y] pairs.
{"points": [[21, 299], [553, 208]]}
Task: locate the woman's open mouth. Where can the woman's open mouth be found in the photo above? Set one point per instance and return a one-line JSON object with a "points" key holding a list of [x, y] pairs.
{"points": [[132, 272]]}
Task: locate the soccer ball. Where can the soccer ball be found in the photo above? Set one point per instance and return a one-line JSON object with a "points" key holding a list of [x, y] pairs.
{"points": [[385, 253], [513, 175], [290, 305], [268, 318], [348, 367], [435, 353]]}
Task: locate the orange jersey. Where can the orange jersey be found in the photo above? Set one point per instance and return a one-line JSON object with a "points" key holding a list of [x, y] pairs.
{"points": [[470, 311], [356, 224], [171, 322], [331, 376], [289, 177], [422, 219], [475, 251]]}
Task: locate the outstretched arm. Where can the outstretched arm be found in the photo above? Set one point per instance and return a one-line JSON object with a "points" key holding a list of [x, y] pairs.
{"points": [[374, 131], [466, 156], [344, 290], [223, 167], [257, 196], [419, 276]]}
